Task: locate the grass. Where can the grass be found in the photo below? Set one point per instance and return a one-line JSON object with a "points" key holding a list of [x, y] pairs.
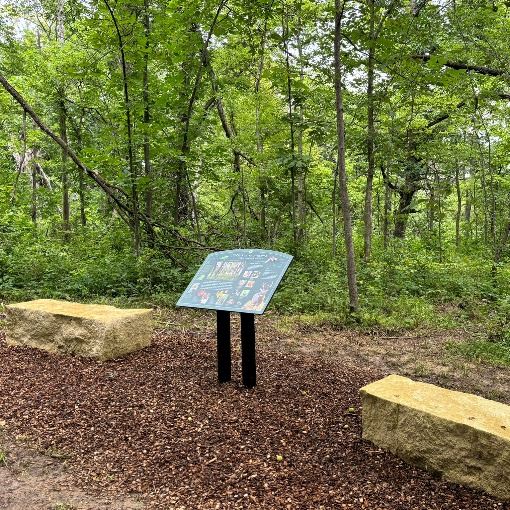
{"points": [[495, 353], [3, 458]]}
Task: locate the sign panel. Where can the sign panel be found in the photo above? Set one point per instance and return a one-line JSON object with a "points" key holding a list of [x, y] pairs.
{"points": [[236, 281]]}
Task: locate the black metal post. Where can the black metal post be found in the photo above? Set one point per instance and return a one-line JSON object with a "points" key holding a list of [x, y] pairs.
{"points": [[224, 352], [248, 349]]}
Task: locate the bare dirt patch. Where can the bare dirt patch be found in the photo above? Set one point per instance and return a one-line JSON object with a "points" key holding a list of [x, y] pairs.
{"points": [[32, 481], [156, 425], [421, 355]]}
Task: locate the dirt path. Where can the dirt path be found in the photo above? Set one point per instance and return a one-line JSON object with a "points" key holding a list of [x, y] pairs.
{"points": [[419, 355]]}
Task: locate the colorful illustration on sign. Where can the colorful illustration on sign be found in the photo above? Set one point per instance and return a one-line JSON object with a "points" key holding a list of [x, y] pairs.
{"points": [[236, 281]]}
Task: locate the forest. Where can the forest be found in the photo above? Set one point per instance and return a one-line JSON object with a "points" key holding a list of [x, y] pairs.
{"points": [[365, 143], [366, 138]]}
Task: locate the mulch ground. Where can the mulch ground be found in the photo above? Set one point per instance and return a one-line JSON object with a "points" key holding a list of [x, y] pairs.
{"points": [[157, 424]]}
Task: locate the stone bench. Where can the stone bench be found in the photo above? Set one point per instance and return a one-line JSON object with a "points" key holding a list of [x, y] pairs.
{"points": [[463, 437], [97, 331]]}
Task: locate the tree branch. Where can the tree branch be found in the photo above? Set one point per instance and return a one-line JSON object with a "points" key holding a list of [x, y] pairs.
{"points": [[459, 66]]}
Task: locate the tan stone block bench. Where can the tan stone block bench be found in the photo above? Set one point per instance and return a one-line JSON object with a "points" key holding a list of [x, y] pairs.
{"points": [[464, 437], [97, 331]]}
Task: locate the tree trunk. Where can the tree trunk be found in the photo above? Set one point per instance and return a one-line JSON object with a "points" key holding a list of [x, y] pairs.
{"points": [[301, 170], [66, 211], [62, 115], [367, 215], [404, 206], [146, 122], [258, 134], [182, 199], [81, 174], [459, 206], [386, 219], [133, 174], [285, 31], [33, 212], [342, 174]]}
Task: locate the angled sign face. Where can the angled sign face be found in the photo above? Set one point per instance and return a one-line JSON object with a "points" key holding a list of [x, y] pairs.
{"points": [[236, 281]]}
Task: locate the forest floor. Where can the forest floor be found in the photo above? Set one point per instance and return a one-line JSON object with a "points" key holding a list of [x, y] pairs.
{"points": [[155, 431]]}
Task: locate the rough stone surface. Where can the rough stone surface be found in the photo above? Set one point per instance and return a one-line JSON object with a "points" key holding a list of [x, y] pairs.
{"points": [[461, 436], [96, 331]]}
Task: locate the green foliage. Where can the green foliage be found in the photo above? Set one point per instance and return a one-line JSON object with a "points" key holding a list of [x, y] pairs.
{"points": [[96, 263], [495, 353]]}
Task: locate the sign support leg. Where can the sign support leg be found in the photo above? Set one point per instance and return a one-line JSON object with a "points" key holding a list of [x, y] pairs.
{"points": [[224, 351], [248, 349]]}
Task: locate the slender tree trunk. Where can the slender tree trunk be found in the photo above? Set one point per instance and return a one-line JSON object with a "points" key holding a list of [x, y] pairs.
{"points": [[367, 215], [135, 223], [258, 134], [459, 206], [301, 168], [81, 174], [334, 233], [285, 30], [33, 212], [181, 206], [386, 219], [147, 121], [342, 174], [62, 115], [66, 210], [439, 217], [431, 208]]}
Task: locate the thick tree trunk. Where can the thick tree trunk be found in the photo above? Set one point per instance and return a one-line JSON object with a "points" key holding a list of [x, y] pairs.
{"points": [[342, 174], [403, 211]]}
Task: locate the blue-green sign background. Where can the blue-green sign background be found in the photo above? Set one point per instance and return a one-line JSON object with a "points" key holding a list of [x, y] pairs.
{"points": [[236, 281]]}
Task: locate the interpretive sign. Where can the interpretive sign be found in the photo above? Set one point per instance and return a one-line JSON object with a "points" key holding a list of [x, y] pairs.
{"points": [[236, 281], [241, 281]]}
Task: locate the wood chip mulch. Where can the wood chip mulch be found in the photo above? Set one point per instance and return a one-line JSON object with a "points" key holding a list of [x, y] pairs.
{"points": [[156, 423]]}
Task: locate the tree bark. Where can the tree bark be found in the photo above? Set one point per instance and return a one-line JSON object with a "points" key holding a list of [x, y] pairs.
{"points": [[33, 210], [459, 206], [258, 133], [147, 121], [367, 215], [66, 210], [135, 220], [181, 205], [342, 174], [301, 171], [285, 32]]}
